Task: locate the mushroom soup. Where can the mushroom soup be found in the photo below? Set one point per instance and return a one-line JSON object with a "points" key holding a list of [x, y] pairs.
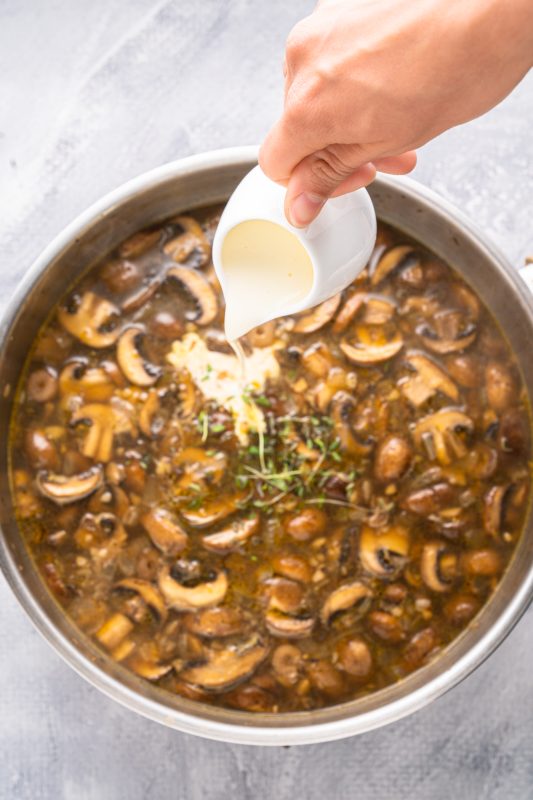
{"points": [[308, 540]]}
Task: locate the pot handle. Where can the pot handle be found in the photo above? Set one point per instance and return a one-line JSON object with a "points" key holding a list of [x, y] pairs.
{"points": [[526, 273]]}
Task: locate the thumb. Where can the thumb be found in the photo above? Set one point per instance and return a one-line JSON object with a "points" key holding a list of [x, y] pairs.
{"points": [[318, 176]]}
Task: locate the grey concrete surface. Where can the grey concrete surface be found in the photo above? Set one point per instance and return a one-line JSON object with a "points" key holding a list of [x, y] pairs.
{"points": [[92, 92]]}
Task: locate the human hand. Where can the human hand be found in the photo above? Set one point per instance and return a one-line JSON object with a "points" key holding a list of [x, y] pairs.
{"points": [[368, 81]]}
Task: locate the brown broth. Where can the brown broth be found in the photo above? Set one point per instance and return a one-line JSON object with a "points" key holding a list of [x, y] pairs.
{"points": [[396, 483]]}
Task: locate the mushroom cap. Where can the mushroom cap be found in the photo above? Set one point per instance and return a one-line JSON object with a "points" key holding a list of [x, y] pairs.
{"points": [[191, 240], [213, 511], [189, 598], [442, 428], [353, 303], [224, 669], [444, 335], [130, 360], [389, 260], [87, 318], [201, 290], [429, 378], [165, 531], [494, 504], [384, 553], [231, 537], [104, 421], [63, 489], [430, 566], [215, 623], [317, 317], [343, 406], [343, 598], [287, 625], [366, 354], [151, 596], [91, 383]]}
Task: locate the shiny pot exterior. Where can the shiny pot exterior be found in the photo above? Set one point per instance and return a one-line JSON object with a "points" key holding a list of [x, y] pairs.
{"points": [[203, 180]]}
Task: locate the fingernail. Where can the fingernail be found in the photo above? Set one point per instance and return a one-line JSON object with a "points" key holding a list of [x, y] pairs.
{"points": [[304, 208]]}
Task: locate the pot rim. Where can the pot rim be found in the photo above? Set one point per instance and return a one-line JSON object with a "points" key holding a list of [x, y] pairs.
{"points": [[295, 732]]}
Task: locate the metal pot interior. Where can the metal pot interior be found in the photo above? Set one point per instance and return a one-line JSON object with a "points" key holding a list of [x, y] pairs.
{"points": [[168, 191]]}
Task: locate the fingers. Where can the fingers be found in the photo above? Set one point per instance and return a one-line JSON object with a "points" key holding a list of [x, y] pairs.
{"points": [[302, 205], [396, 165], [320, 175], [281, 151], [315, 179]]}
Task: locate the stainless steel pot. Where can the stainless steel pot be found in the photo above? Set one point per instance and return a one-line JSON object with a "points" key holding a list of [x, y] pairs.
{"points": [[201, 180]]}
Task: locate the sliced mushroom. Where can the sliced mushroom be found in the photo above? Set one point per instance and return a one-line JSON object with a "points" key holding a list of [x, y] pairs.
{"points": [[233, 536], [165, 531], [325, 678], [348, 311], [212, 512], [139, 243], [466, 299], [288, 626], [464, 368], [378, 310], [501, 386], [209, 592], [318, 359], [109, 499], [41, 386], [306, 524], [138, 299], [151, 422], [343, 409], [386, 627], [515, 431], [104, 423], [355, 658], [367, 354], [114, 631], [420, 646], [440, 434], [429, 500], [345, 597], [131, 361], [62, 489], [317, 317], [287, 663], [460, 608], [215, 623], [393, 458], [262, 336], [395, 258], [428, 380], [41, 450], [149, 670], [448, 332], [494, 506], [91, 319], [188, 396], [90, 383], [438, 566], [200, 467], [384, 553], [292, 566], [191, 242], [151, 596], [224, 669], [103, 535], [202, 292], [120, 275]]}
